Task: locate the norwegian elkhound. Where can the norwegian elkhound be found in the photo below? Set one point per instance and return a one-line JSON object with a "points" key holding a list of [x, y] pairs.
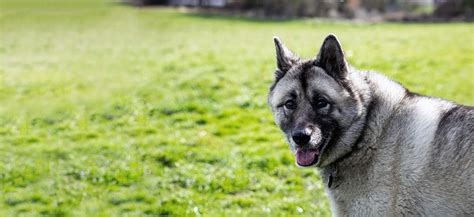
{"points": [[381, 150]]}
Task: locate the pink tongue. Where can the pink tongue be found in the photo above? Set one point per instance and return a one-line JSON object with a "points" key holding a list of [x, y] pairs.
{"points": [[306, 157]]}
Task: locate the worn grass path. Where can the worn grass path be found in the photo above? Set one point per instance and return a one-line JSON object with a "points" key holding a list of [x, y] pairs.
{"points": [[111, 110]]}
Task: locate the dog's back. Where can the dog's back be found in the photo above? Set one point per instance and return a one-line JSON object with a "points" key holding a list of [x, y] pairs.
{"points": [[435, 152], [447, 185]]}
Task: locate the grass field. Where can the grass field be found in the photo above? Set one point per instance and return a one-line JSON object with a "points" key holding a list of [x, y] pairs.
{"points": [[111, 110]]}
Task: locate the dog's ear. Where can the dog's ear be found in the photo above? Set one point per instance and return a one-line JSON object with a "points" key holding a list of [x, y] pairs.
{"points": [[331, 57], [285, 58]]}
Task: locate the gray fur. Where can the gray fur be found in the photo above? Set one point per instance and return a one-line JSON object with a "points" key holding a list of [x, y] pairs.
{"points": [[383, 151]]}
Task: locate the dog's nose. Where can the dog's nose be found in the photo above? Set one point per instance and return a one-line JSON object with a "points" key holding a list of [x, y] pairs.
{"points": [[301, 138]]}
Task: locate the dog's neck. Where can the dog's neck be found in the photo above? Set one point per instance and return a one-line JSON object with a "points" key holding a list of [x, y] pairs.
{"points": [[380, 97], [386, 97], [353, 169], [381, 102]]}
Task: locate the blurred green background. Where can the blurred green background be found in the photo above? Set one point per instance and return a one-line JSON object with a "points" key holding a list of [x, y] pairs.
{"points": [[109, 110]]}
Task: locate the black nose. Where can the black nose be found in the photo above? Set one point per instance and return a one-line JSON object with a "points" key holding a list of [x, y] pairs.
{"points": [[300, 138]]}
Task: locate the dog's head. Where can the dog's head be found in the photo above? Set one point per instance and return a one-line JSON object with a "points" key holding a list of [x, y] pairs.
{"points": [[314, 104]]}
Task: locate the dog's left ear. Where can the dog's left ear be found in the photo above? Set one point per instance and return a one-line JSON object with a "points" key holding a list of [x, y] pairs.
{"points": [[331, 57]]}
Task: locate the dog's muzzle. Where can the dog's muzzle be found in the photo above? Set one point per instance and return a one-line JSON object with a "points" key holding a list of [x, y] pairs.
{"points": [[307, 142]]}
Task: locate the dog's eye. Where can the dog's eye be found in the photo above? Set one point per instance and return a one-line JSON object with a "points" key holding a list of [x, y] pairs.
{"points": [[290, 104], [320, 104]]}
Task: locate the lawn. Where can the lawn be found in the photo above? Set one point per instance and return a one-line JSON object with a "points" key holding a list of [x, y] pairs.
{"points": [[109, 110]]}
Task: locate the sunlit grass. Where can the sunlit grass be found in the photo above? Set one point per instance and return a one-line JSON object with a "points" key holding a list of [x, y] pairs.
{"points": [[112, 110]]}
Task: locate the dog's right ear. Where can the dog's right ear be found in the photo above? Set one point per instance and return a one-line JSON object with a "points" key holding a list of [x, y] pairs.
{"points": [[285, 58], [331, 57]]}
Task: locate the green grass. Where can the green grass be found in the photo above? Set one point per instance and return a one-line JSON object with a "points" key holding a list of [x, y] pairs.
{"points": [[112, 110]]}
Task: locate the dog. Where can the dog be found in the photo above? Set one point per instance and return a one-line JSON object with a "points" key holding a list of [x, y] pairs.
{"points": [[380, 149]]}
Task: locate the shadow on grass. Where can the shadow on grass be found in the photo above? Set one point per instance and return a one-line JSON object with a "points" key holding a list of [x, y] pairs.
{"points": [[212, 13], [236, 17]]}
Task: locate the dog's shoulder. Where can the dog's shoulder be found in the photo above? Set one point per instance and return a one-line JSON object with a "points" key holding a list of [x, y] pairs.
{"points": [[458, 116], [455, 133]]}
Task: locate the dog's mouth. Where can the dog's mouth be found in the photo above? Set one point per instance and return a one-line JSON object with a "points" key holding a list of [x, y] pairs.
{"points": [[306, 157]]}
